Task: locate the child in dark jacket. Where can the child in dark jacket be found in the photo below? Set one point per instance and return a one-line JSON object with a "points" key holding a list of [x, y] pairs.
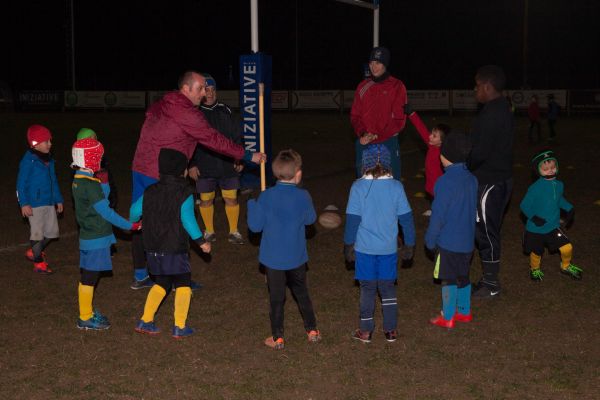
{"points": [[281, 213], [39, 195], [541, 205], [451, 232], [167, 208]]}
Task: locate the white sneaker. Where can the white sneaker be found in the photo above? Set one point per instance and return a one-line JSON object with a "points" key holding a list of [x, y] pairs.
{"points": [[427, 213], [235, 238]]}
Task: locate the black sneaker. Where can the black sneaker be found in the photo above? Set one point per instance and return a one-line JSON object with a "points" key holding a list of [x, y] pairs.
{"points": [[391, 336], [486, 289], [364, 337]]}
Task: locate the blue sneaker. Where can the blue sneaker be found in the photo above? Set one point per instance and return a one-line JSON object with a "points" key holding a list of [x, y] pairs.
{"points": [[180, 333], [144, 283], [94, 324], [196, 285], [100, 317], [148, 328]]}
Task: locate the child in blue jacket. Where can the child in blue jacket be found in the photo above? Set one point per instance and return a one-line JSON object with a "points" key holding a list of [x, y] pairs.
{"points": [[451, 231], [39, 195], [541, 205], [281, 213]]}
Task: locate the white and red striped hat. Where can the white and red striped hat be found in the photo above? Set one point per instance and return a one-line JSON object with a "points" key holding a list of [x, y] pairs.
{"points": [[87, 153]]}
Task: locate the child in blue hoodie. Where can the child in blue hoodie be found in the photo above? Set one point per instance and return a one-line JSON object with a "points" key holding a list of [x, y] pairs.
{"points": [[451, 232], [39, 195], [541, 205]]}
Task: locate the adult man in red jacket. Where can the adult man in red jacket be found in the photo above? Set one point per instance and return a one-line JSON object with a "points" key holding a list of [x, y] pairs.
{"points": [[175, 122], [377, 113]]}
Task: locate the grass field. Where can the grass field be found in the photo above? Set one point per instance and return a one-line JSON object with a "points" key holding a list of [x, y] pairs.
{"points": [[537, 341]]}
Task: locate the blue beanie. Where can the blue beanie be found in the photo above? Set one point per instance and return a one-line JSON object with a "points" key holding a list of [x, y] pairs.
{"points": [[210, 81], [376, 154]]}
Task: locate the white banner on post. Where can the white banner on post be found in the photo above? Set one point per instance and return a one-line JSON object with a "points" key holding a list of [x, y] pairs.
{"points": [[316, 99], [429, 99]]}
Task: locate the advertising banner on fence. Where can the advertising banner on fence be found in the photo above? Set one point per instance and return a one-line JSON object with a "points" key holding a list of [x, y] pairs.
{"points": [[40, 99], [101, 99], [464, 100], [521, 98], [316, 99], [348, 99], [229, 97], [280, 100], [585, 100], [429, 99]]}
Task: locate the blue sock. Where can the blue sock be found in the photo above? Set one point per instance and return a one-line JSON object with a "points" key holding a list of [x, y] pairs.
{"points": [[140, 274], [463, 300], [449, 301]]}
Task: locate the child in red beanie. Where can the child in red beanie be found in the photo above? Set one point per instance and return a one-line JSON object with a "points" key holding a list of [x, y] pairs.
{"points": [[39, 195]]}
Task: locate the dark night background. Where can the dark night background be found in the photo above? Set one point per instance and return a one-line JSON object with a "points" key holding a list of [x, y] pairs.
{"points": [[141, 45]]}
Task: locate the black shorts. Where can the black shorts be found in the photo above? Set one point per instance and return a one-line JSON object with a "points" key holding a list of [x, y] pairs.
{"points": [[450, 265], [168, 263], [553, 240]]}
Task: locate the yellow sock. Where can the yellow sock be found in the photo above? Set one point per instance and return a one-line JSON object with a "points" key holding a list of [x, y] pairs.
{"points": [[86, 296], [155, 297], [534, 260], [566, 254], [183, 296], [233, 215]]}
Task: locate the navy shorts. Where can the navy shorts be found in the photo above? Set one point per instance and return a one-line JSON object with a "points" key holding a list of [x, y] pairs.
{"points": [[535, 242], [95, 260], [168, 263], [450, 265], [207, 185]]}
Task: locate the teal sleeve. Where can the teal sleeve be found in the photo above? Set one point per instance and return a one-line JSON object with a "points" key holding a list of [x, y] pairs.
{"points": [[135, 211], [188, 219], [110, 215]]}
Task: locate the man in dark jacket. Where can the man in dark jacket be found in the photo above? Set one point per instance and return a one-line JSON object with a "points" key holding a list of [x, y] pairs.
{"points": [[210, 169], [491, 162]]}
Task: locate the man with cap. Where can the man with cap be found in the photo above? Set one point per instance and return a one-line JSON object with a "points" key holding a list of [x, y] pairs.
{"points": [[451, 232], [377, 113], [175, 122], [210, 169]]}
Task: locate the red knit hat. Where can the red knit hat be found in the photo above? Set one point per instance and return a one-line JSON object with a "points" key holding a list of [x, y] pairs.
{"points": [[37, 134], [87, 153]]}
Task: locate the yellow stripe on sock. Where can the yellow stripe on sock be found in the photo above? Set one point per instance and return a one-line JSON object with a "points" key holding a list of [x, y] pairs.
{"points": [[86, 297], [155, 297], [183, 297]]}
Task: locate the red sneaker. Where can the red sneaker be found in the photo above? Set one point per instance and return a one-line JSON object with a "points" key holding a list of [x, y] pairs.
{"points": [[42, 268], [29, 254], [444, 323], [463, 317]]}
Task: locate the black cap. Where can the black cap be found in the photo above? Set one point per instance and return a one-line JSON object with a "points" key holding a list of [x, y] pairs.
{"points": [[456, 147], [171, 162], [380, 54]]}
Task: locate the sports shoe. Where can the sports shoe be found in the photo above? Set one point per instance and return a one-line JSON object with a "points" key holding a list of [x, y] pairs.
{"points": [[440, 321], [210, 237], [235, 238], [314, 336], [573, 271], [143, 284], [29, 254], [458, 317], [391, 336], [181, 333], [100, 317], [196, 285], [364, 337], [536, 274], [149, 328], [486, 289], [42, 268], [93, 324], [278, 344]]}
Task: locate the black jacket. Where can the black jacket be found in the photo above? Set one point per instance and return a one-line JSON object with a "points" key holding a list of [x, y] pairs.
{"points": [[211, 164]]}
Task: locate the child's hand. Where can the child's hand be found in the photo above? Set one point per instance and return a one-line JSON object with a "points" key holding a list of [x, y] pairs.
{"points": [[349, 254], [406, 255], [367, 138], [205, 247], [538, 221], [26, 211], [136, 226], [59, 208]]}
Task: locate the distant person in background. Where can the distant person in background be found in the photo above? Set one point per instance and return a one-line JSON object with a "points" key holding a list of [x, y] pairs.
{"points": [[377, 113], [210, 169], [491, 161], [553, 111], [533, 112], [175, 122]]}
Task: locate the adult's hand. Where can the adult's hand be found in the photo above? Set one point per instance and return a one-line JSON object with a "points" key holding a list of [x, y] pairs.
{"points": [[257, 157], [26, 211], [367, 138], [194, 173], [238, 166]]}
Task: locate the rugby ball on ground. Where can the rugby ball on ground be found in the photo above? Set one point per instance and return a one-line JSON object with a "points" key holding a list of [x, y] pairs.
{"points": [[330, 220]]}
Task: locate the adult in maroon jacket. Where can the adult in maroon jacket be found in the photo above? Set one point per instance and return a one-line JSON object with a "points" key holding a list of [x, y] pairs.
{"points": [[377, 113], [175, 122]]}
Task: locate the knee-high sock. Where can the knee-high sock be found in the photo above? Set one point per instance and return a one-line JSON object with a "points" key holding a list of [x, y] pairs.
{"points": [[449, 301], [155, 297], [183, 296], [86, 297], [535, 260], [566, 254], [208, 213], [463, 300], [233, 215]]}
